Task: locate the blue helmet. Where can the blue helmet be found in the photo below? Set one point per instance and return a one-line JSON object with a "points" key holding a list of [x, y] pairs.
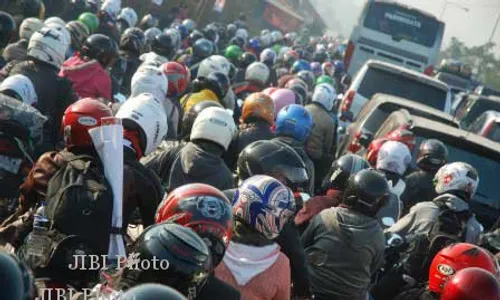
{"points": [[294, 121], [183, 31], [339, 67], [254, 44], [301, 65]]}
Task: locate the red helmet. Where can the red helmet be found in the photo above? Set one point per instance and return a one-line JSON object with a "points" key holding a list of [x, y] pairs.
{"points": [[178, 78], [404, 136], [373, 149], [203, 208], [472, 284], [457, 257], [81, 116]]}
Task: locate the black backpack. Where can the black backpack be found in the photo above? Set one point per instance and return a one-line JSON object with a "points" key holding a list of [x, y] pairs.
{"points": [[80, 200], [450, 228]]}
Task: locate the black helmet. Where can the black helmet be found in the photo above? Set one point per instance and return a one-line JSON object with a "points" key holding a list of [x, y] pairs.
{"points": [[16, 281], [7, 29], [211, 34], [194, 36], [148, 21], [33, 9], [191, 114], [203, 48], [218, 83], [432, 155], [163, 45], [152, 291], [133, 40], [308, 78], [238, 41], [300, 93], [342, 169], [101, 48], [231, 29], [320, 57], [246, 59], [188, 257], [272, 158], [366, 192]]}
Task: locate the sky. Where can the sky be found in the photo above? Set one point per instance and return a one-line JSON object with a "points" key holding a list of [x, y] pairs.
{"points": [[473, 27]]}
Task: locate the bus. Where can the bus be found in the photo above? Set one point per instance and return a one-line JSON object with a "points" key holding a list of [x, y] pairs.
{"points": [[394, 33]]}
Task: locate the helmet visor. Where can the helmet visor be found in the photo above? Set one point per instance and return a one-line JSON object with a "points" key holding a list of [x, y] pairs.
{"points": [[294, 174]]}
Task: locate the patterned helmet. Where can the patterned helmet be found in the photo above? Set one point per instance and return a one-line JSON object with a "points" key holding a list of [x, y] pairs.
{"points": [[457, 176]]}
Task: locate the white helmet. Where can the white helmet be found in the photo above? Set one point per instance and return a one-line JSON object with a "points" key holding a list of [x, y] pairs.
{"points": [[257, 71], [175, 34], [28, 27], [266, 40], [457, 176], [325, 95], [129, 15], [214, 63], [157, 2], [147, 112], [149, 79], [153, 59], [112, 7], [189, 24], [151, 33], [22, 86], [264, 32], [48, 45], [55, 20], [277, 36], [283, 51], [214, 124], [268, 55], [242, 33], [62, 29], [393, 157]]}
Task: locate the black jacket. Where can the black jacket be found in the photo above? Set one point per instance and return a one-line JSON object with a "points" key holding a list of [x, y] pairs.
{"points": [[419, 188], [218, 289], [122, 72], [54, 93]]}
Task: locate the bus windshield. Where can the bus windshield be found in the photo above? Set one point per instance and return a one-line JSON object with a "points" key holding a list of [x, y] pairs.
{"points": [[402, 23]]}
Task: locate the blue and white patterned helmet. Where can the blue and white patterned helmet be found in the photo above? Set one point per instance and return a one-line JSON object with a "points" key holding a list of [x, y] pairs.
{"points": [[265, 204]]}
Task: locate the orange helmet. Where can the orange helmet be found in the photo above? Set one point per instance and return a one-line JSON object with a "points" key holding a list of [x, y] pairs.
{"points": [[259, 106]]}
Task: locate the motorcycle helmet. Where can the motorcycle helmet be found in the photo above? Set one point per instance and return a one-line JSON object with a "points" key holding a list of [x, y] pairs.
{"points": [[20, 87], [216, 125], [242, 33], [33, 8], [28, 27], [203, 48], [294, 121], [211, 34], [151, 33], [204, 209], [189, 261], [90, 20], [282, 98], [264, 204], [254, 45], [175, 36], [457, 178], [328, 68], [101, 48], [455, 258], [81, 116], [325, 95], [299, 88], [393, 157], [128, 15], [233, 53], [342, 169], [404, 136], [246, 59], [149, 79], [366, 192], [191, 115], [79, 34], [133, 40], [432, 155], [54, 20], [258, 106], [320, 56], [300, 65], [178, 78], [339, 68], [163, 45], [150, 291], [268, 56], [289, 58], [258, 72], [183, 32], [48, 45], [189, 24], [325, 79], [373, 150], [194, 36], [146, 115], [216, 82], [308, 78], [316, 69], [238, 41], [16, 279], [471, 284], [148, 21], [214, 63], [277, 36]]}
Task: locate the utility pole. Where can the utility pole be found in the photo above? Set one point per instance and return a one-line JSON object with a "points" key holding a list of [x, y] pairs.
{"points": [[494, 29]]}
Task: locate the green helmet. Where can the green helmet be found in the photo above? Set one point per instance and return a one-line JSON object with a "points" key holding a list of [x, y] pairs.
{"points": [[90, 20], [325, 79], [233, 52], [276, 48]]}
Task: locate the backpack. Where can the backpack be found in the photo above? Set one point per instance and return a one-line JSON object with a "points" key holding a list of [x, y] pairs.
{"points": [[450, 228], [80, 200]]}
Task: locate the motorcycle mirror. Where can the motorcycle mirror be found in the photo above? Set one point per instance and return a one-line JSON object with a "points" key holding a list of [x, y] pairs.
{"points": [[388, 221]]}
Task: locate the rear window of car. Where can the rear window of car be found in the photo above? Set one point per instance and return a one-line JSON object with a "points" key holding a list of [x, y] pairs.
{"points": [[380, 81], [475, 108], [378, 117]]}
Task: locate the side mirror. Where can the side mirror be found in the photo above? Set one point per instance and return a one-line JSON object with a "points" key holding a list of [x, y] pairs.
{"points": [[347, 115], [365, 139], [388, 221]]}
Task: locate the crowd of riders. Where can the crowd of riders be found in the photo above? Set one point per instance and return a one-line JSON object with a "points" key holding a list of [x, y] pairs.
{"points": [[229, 168]]}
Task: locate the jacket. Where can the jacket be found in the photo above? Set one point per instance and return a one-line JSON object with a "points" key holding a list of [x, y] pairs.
{"points": [[88, 77], [55, 94], [321, 142], [344, 249], [424, 215], [191, 100], [419, 188], [161, 160], [122, 72], [218, 289], [16, 51]]}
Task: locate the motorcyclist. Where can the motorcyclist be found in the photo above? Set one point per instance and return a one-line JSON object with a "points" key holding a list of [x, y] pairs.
{"points": [[432, 155], [7, 32], [87, 69], [233, 53], [245, 60], [202, 49], [256, 77], [455, 184], [79, 34], [150, 79], [126, 19], [321, 143], [107, 16], [269, 57], [345, 244], [214, 88], [262, 206], [179, 79], [399, 135], [293, 127], [472, 283], [17, 51], [282, 98], [208, 212], [90, 20]]}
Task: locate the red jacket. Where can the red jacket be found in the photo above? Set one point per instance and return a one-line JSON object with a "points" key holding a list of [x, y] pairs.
{"points": [[88, 77]]}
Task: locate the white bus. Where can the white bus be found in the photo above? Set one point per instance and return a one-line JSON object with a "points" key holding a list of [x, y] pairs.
{"points": [[397, 34]]}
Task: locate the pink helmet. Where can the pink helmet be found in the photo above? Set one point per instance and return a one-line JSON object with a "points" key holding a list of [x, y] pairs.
{"points": [[282, 98]]}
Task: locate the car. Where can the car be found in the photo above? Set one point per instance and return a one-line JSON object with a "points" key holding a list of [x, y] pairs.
{"points": [[487, 125], [381, 77], [463, 146], [457, 84], [375, 112], [472, 106], [486, 91]]}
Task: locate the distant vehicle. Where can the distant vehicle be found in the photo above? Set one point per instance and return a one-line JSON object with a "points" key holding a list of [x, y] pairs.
{"points": [[464, 146], [472, 106], [360, 133], [394, 33], [381, 77], [457, 75], [486, 91], [487, 125]]}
